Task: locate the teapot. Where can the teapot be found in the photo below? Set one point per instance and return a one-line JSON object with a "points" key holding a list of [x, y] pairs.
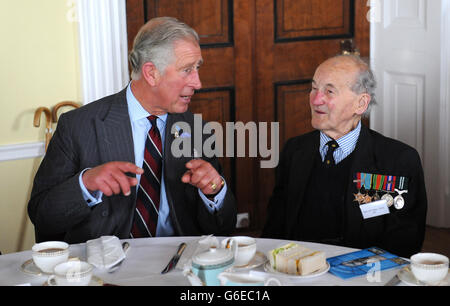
{"points": [[207, 265]]}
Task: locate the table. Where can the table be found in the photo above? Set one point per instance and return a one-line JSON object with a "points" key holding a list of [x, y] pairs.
{"points": [[148, 256]]}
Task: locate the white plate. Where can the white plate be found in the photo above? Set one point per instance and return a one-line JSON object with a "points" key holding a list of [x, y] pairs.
{"points": [[406, 276], [268, 268], [256, 261]]}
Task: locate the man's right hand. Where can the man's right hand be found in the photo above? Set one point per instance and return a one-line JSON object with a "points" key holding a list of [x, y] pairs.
{"points": [[110, 178]]}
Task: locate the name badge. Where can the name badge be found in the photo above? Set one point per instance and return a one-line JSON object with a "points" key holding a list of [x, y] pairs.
{"points": [[374, 209]]}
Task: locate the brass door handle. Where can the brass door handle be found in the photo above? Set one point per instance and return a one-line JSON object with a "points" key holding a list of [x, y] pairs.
{"points": [[348, 47]]}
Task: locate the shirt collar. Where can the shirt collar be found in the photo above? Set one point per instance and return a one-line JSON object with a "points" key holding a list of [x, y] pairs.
{"points": [[347, 143], [135, 109]]}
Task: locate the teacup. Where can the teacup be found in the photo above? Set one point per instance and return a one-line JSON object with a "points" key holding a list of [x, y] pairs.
{"points": [[71, 273], [246, 249], [242, 279], [47, 255], [429, 268]]}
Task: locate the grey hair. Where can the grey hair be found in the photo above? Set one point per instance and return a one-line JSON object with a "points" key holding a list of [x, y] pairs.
{"points": [[365, 80], [154, 43]]}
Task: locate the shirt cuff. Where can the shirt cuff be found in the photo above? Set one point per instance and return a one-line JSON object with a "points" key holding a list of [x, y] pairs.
{"points": [[93, 198], [217, 202]]}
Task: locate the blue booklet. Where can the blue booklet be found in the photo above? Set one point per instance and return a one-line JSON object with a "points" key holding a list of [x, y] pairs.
{"points": [[362, 262]]}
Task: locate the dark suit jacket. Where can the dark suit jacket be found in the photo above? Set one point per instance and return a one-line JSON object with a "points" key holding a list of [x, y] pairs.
{"points": [[401, 231], [98, 133]]}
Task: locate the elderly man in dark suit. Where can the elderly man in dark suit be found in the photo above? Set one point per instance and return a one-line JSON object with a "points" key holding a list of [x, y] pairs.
{"points": [[110, 169], [327, 178]]}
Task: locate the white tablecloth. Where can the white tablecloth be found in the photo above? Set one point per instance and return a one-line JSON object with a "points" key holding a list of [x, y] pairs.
{"points": [[148, 256]]}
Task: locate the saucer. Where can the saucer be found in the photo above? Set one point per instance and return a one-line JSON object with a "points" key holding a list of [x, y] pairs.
{"points": [[406, 276], [256, 261], [30, 268], [95, 281]]}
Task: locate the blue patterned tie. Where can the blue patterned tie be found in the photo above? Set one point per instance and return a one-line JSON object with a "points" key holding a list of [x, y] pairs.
{"points": [[329, 158]]}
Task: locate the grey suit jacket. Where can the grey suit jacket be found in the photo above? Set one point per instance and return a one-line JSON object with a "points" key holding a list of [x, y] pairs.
{"points": [[98, 133]]}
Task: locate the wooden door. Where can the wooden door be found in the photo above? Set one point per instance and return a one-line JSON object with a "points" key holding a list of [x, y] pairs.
{"points": [[260, 56]]}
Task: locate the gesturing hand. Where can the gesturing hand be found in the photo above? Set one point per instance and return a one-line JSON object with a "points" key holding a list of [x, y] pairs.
{"points": [[110, 178], [203, 175]]}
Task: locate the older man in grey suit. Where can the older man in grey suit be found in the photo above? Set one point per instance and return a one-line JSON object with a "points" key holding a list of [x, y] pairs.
{"points": [[89, 182]]}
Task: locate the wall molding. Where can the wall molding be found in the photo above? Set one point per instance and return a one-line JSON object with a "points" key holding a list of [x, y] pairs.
{"points": [[22, 151]]}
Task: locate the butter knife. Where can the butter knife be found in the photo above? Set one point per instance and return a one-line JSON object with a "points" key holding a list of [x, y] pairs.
{"points": [[173, 262]]}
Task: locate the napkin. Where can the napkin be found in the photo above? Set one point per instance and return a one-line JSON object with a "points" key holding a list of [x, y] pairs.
{"points": [[104, 252]]}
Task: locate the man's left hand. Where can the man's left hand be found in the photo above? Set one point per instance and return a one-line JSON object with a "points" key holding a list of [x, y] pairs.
{"points": [[204, 176]]}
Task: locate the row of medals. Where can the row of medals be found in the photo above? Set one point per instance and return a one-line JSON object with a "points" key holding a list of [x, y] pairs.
{"points": [[364, 198]]}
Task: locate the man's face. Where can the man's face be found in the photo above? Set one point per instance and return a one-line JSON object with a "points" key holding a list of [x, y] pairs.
{"points": [[175, 87], [334, 106]]}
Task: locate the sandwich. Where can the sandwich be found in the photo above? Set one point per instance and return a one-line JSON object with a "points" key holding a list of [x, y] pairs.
{"points": [[295, 259]]}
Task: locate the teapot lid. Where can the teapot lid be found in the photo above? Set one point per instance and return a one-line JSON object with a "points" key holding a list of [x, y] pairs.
{"points": [[213, 256]]}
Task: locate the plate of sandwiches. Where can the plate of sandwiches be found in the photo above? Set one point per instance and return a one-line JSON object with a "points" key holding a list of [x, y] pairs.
{"points": [[296, 261]]}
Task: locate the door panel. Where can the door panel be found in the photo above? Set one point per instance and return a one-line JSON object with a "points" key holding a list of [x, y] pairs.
{"points": [[306, 19], [259, 59], [210, 18]]}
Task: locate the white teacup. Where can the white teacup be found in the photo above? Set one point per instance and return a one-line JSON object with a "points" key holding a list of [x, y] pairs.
{"points": [[71, 273], [246, 249], [47, 255], [429, 268], [242, 279]]}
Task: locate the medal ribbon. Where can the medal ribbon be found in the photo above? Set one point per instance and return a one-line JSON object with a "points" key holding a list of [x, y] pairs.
{"points": [[377, 181], [389, 183], [358, 180], [366, 179], [402, 183]]}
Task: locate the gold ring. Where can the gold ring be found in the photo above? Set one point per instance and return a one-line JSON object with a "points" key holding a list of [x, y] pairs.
{"points": [[213, 186]]}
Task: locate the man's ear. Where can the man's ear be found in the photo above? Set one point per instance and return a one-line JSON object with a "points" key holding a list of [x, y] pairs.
{"points": [[150, 73], [363, 103]]}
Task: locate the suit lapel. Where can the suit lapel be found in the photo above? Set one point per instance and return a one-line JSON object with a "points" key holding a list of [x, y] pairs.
{"points": [[172, 168], [115, 143], [302, 165], [363, 161], [115, 139]]}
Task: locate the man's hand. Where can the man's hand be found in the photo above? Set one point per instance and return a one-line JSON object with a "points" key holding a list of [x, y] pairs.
{"points": [[204, 176], [110, 178]]}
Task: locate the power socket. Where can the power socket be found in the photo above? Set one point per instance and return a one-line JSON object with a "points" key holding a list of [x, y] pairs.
{"points": [[243, 220]]}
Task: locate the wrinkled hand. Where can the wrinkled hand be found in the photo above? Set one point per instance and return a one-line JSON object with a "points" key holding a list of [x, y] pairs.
{"points": [[110, 178], [203, 175]]}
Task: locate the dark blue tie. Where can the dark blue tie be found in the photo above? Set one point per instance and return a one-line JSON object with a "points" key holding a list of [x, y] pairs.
{"points": [[329, 158]]}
